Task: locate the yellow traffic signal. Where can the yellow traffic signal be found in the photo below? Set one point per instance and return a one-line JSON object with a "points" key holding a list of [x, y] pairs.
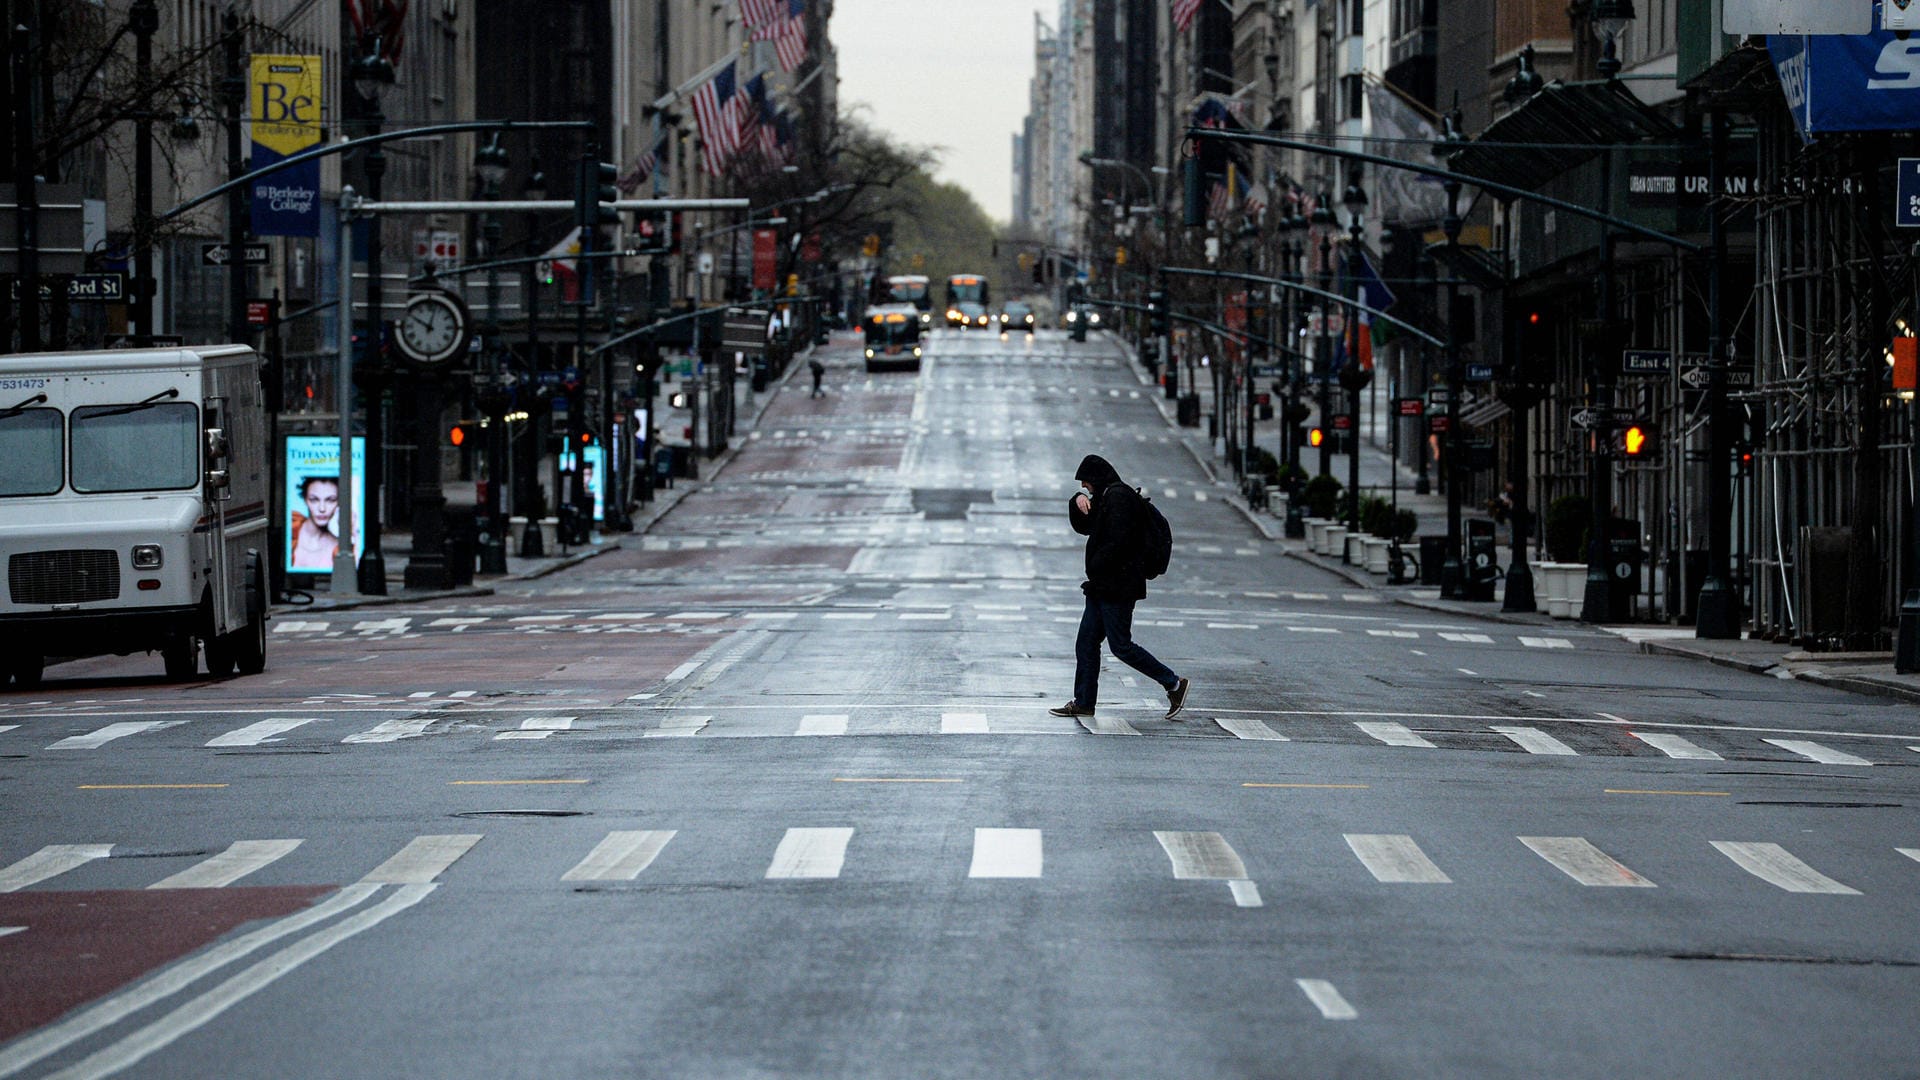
{"points": [[1316, 436]]}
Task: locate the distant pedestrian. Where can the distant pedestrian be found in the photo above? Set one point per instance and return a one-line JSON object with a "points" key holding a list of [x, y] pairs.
{"points": [[819, 371], [1115, 520]]}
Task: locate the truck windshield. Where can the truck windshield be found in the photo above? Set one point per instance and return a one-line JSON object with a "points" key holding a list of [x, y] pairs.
{"points": [[136, 447], [30, 452]]}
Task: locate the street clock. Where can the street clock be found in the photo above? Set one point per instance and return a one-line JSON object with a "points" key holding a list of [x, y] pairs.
{"points": [[434, 328]]}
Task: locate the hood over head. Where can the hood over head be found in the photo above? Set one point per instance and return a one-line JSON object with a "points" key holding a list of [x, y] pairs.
{"points": [[1095, 470]]}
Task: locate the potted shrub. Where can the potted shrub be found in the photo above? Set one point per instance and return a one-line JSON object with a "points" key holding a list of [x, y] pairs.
{"points": [[1323, 496], [1566, 534]]}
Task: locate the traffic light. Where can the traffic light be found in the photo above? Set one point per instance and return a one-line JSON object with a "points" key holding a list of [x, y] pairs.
{"points": [[1157, 320], [463, 432], [595, 192], [1316, 436], [1535, 340], [1636, 441], [870, 247], [653, 234]]}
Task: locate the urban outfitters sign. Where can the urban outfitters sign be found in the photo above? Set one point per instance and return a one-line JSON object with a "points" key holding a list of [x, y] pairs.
{"points": [[286, 120]]}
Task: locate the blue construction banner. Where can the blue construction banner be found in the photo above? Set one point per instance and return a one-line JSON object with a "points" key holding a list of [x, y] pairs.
{"points": [[1869, 82], [285, 111]]}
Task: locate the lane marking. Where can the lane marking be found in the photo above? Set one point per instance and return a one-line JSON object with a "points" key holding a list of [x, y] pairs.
{"points": [[1674, 746], [1313, 630], [1638, 791], [1107, 725], [682, 671], [1910, 852], [93, 740], [1774, 865], [1466, 639], [1201, 856], [822, 724], [1394, 633], [963, 723], [147, 787], [810, 854], [1393, 734], [1535, 741], [1245, 894], [1327, 999], [170, 981], [423, 859], [1546, 643], [50, 861], [678, 726], [621, 856], [1395, 859], [1006, 853], [898, 780], [1465, 671], [255, 734], [243, 857], [1825, 755], [6, 930], [201, 1010], [1251, 728], [393, 730], [1584, 863]]}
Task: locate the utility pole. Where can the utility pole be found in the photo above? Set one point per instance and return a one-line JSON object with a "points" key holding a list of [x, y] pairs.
{"points": [[1719, 611], [143, 19], [234, 88]]}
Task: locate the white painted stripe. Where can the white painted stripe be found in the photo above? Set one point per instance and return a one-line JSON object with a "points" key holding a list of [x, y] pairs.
{"points": [[463, 694], [1395, 859], [255, 734], [1232, 626], [458, 621], [1774, 865], [93, 740], [810, 853], [548, 723], [241, 858], [1201, 856], [697, 616], [1313, 629], [1910, 852], [7, 727], [201, 1010], [1535, 741], [521, 736], [50, 861], [1001, 618], [1826, 755], [822, 724], [1392, 734], [393, 730], [1245, 893], [1674, 746], [1250, 728], [771, 616], [170, 981], [623, 616], [925, 616], [1546, 643], [6, 930], [850, 615], [1466, 639], [621, 856], [296, 626], [423, 859], [963, 723], [682, 671], [1394, 633], [1583, 862], [1006, 853], [678, 726], [421, 694], [537, 618], [1107, 725], [1310, 596], [1327, 999]]}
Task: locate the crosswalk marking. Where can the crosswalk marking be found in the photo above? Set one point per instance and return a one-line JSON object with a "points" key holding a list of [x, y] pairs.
{"points": [[1108, 725], [539, 727], [1466, 639], [1774, 865], [1245, 894], [255, 734], [621, 856], [810, 853], [241, 858], [393, 730], [963, 723], [1392, 734], [1535, 741], [1910, 852], [822, 724], [678, 726], [1006, 853], [682, 671], [1584, 863], [93, 740], [1313, 629], [1825, 755], [1393, 633], [1201, 856], [1327, 999], [925, 616], [1395, 859], [1546, 643], [1674, 746], [50, 861], [1251, 728], [7, 727], [423, 859]]}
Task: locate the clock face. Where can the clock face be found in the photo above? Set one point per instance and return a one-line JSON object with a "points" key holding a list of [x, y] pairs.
{"points": [[432, 328]]}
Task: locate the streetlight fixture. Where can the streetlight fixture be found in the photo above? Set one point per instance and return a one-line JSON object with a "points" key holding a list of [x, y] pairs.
{"points": [[372, 75], [490, 165], [1353, 377], [1610, 19], [1453, 579], [1322, 220]]}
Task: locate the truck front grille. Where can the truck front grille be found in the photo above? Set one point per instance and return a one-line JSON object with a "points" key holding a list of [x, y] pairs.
{"points": [[63, 577]]}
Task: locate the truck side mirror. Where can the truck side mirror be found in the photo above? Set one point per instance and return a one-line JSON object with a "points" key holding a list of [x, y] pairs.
{"points": [[217, 447], [218, 481]]}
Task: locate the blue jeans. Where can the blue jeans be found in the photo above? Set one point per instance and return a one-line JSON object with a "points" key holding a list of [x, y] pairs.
{"points": [[1110, 621]]}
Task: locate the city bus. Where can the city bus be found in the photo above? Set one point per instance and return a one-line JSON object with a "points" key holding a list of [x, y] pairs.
{"points": [[966, 289], [913, 289], [893, 337]]}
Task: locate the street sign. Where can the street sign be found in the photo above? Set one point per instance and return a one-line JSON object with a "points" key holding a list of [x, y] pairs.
{"points": [[550, 378], [259, 312], [1906, 203], [1646, 362], [220, 254], [83, 288], [1437, 398], [1266, 371], [745, 330], [1342, 422], [1410, 406], [1589, 418], [1479, 372], [1438, 425]]}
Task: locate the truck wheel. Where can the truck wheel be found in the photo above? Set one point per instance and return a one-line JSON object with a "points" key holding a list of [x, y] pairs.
{"points": [[249, 645], [182, 657]]}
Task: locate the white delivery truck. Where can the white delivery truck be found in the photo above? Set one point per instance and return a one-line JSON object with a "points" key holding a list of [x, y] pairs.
{"points": [[133, 508]]}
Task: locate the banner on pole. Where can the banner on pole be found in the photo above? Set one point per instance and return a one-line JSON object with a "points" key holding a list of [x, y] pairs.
{"points": [[285, 92]]}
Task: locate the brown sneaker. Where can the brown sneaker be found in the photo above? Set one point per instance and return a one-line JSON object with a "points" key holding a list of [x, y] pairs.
{"points": [[1071, 708], [1176, 699]]}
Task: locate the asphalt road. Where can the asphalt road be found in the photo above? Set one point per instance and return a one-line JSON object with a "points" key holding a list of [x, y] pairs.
{"points": [[772, 791]]}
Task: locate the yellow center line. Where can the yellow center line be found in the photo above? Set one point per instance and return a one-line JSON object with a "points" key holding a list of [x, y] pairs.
{"points": [[1636, 791], [895, 780], [1330, 787], [477, 783], [147, 787]]}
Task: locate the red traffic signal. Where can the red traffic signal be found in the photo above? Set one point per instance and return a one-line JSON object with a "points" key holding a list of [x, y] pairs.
{"points": [[462, 432]]}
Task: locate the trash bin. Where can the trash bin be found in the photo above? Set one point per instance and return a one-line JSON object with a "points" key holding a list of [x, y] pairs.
{"points": [[462, 543], [1187, 410], [1483, 560], [663, 467], [1433, 556], [1171, 380], [575, 524]]}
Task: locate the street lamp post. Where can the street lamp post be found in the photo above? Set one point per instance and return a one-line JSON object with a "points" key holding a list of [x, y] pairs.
{"points": [[490, 164], [1610, 19], [1323, 220], [372, 75], [1353, 377], [144, 20], [1453, 585]]}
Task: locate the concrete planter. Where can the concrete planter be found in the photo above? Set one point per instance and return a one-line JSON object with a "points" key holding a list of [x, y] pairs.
{"points": [[1377, 555], [1569, 587], [1336, 543], [1356, 552], [1315, 536]]}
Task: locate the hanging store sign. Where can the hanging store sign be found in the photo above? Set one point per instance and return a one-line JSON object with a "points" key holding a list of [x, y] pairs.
{"points": [[285, 110], [1863, 82]]}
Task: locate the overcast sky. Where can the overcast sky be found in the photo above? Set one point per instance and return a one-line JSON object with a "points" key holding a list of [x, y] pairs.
{"points": [[947, 74]]}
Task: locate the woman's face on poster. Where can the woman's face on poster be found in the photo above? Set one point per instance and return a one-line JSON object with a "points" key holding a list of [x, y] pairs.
{"points": [[323, 501]]}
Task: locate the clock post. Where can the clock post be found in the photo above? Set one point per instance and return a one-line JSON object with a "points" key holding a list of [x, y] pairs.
{"points": [[434, 329]]}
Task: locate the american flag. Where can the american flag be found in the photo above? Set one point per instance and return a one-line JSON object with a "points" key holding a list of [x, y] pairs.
{"points": [[716, 109], [1183, 13], [1256, 200], [642, 167], [760, 16], [791, 41]]}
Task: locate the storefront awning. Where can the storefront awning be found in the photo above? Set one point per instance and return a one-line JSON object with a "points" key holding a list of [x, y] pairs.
{"points": [[1564, 125]]}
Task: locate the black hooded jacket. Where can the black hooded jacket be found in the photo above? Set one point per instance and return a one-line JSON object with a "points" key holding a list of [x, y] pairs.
{"points": [[1113, 530]]}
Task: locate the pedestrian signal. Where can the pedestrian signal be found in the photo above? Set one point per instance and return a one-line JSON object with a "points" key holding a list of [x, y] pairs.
{"points": [[1635, 441], [1316, 436]]}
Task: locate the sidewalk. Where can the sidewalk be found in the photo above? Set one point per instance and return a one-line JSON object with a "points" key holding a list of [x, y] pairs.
{"points": [[1867, 673]]}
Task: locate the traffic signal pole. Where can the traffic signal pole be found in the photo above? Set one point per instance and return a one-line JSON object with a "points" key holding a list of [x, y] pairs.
{"points": [[1719, 612]]}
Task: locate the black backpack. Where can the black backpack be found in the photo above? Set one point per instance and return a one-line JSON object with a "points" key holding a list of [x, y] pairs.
{"points": [[1156, 541]]}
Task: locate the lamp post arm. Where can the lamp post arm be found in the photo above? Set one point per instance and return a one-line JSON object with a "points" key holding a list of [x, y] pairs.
{"points": [[1311, 291]]}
